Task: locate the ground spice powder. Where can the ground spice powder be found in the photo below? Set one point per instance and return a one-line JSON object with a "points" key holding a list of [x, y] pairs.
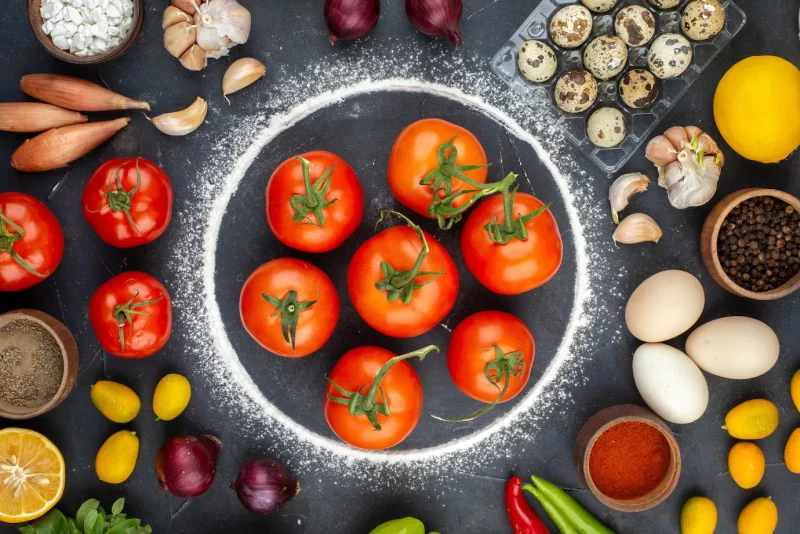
{"points": [[31, 366], [629, 460]]}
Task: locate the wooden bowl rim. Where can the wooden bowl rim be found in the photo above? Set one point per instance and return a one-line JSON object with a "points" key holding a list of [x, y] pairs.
{"points": [[728, 204], [66, 385], [35, 20]]}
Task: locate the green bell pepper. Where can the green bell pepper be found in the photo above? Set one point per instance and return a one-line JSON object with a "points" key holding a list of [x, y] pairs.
{"points": [[407, 525]]}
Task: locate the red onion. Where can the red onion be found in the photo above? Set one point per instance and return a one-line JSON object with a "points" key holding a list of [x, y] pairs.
{"points": [[351, 19], [264, 486], [436, 17], [185, 465]]}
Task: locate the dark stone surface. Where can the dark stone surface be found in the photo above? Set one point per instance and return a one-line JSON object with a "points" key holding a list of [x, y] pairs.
{"points": [[292, 34]]}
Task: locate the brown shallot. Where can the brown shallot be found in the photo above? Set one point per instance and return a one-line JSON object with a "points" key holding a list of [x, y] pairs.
{"points": [[58, 147], [36, 117], [75, 93]]}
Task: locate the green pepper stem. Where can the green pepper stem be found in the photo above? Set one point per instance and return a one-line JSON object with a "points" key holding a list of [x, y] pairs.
{"points": [[313, 198]]}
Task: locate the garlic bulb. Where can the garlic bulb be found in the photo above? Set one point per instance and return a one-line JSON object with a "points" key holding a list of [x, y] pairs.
{"points": [[637, 228], [623, 189], [212, 27]]}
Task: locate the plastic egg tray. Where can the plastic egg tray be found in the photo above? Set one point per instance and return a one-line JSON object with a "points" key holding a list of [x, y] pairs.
{"points": [[640, 122]]}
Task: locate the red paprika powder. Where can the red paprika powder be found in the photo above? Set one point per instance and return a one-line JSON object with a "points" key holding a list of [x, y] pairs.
{"points": [[629, 460]]}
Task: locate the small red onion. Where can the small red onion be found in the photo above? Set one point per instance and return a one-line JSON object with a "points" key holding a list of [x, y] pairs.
{"points": [[351, 19], [185, 465], [264, 486], [436, 17]]}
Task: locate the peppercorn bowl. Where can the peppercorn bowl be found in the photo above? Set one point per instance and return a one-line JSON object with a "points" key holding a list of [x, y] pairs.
{"points": [[125, 43], [710, 246], [645, 425]]}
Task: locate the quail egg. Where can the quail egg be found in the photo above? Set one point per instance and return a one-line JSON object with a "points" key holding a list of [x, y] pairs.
{"points": [[703, 19], [638, 88], [605, 57], [635, 25], [606, 127], [670, 55], [571, 26], [576, 91], [599, 6], [665, 4], [537, 61]]}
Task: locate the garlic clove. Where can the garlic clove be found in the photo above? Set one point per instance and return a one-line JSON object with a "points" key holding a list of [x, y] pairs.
{"points": [[173, 15], [678, 137], [241, 73], [182, 122], [661, 151], [194, 58], [637, 228], [186, 5], [623, 189], [707, 145], [225, 17], [178, 38], [693, 131]]}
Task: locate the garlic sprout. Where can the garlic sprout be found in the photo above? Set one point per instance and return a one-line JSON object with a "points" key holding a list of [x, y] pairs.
{"points": [[637, 228], [623, 189]]}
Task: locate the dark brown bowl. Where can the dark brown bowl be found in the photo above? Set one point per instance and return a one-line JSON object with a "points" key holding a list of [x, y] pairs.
{"points": [[710, 234], [69, 353], [35, 19], [604, 420]]}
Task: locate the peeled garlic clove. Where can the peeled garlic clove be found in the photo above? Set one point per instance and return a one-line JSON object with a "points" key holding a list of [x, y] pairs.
{"points": [[623, 189], [637, 228], [172, 15], [182, 122], [194, 58], [241, 73], [186, 5], [179, 37], [678, 137], [661, 151]]}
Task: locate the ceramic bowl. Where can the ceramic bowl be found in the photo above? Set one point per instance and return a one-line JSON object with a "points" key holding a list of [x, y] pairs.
{"points": [[35, 19], [604, 420], [710, 234], [69, 354]]}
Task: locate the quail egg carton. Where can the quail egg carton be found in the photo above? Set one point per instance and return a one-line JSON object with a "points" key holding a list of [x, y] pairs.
{"points": [[640, 122]]}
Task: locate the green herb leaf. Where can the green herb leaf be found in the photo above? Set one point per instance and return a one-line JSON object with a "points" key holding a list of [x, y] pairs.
{"points": [[117, 507], [84, 510], [89, 521], [129, 525], [53, 522]]}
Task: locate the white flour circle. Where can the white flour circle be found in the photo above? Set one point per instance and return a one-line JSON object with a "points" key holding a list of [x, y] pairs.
{"points": [[225, 352]]}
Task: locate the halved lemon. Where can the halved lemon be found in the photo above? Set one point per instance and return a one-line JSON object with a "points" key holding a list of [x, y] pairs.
{"points": [[32, 474]]}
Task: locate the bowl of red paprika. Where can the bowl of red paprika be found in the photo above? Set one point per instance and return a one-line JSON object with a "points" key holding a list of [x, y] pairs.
{"points": [[628, 458]]}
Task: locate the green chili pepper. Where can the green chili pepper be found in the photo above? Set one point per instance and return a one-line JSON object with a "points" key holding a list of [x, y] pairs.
{"points": [[575, 514], [555, 515], [407, 525]]}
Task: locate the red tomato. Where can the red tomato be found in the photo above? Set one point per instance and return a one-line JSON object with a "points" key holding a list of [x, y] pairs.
{"points": [[317, 215], [472, 347], [520, 264], [355, 373], [128, 202], [399, 247], [31, 242], [131, 315], [416, 153], [289, 307]]}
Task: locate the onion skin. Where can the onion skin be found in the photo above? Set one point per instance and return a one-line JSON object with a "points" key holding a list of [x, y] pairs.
{"points": [[351, 19], [264, 486], [75, 93], [436, 17], [31, 117], [185, 465]]}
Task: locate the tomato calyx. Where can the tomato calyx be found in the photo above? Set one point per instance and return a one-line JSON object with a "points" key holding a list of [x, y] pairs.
{"points": [[124, 314], [501, 369], [367, 404], [313, 200], [289, 309], [7, 240], [402, 284], [120, 200], [502, 233]]}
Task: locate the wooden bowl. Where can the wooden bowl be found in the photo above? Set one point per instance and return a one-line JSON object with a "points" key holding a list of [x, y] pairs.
{"points": [[604, 420], [35, 19], [69, 354], [710, 234]]}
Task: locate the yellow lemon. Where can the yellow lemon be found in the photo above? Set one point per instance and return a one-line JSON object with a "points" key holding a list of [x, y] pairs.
{"points": [[746, 464], [795, 387], [33, 474], [699, 516], [116, 401], [791, 454], [757, 108], [758, 517], [754, 419], [117, 457], [172, 396]]}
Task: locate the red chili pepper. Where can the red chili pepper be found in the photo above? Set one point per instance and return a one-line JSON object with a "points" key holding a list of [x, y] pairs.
{"points": [[520, 514]]}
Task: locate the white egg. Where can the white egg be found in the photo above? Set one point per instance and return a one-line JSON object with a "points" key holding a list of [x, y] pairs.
{"points": [[734, 347], [665, 306], [670, 383]]}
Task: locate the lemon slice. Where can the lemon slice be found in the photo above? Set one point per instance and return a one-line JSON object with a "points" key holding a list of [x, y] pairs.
{"points": [[32, 475]]}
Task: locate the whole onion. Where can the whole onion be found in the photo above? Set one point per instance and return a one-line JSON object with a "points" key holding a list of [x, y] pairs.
{"points": [[264, 486], [351, 19], [436, 17], [185, 465]]}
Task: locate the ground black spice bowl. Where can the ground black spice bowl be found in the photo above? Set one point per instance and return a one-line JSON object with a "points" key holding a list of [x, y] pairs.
{"points": [[69, 355], [709, 243]]}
